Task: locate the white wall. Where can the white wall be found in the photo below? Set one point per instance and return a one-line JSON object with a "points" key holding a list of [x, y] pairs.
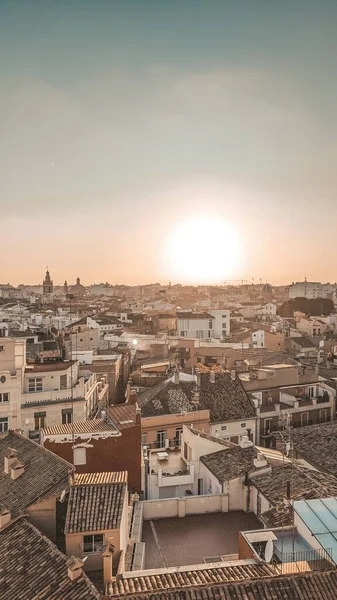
{"points": [[234, 428], [181, 507], [221, 322], [191, 328]]}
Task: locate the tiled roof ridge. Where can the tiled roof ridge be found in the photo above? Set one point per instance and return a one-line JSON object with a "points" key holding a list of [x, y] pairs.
{"points": [[155, 592]]}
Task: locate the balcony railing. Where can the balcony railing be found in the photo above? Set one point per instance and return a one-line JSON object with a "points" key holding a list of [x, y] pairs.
{"points": [[173, 443], [296, 425]]}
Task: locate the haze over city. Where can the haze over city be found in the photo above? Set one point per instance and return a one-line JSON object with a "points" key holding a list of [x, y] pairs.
{"points": [[156, 141]]}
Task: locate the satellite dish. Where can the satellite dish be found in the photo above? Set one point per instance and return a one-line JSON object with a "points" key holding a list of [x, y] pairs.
{"points": [[269, 551], [63, 495]]}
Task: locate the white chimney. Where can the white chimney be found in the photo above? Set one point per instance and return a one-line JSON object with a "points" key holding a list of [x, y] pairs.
{"points": [[10, 457], [260, 460], [212, 376], [5, 515], [233, 374], [75, 568], [245, 442], [17, 469]]}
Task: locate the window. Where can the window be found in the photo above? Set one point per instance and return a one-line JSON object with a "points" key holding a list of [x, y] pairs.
{"points": [[63, 382], [3, 424], [243, 424], [39, 420], [67, 416], [210, 324], [144, 439], [35, 384], [161, 436], [267, 426], [81, 339], [224, 325], [304, 419], [4, 397], [179, 433], [80, 456], [183, 333], [223, 427], [91, 339], [93, 543], [224, 316], [2, 348], [311, 392]]}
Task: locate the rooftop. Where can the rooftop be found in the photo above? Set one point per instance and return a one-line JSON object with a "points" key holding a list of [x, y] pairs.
{"points": [[92, 426], [231, 463], [304, 484], [123, 415], [308, 586], [49, 366], [186, 577], [177, 542], [192, 315], [95, 507], [225, 397], [32, 567], [318, 445], [45, 474], [98, 478]]}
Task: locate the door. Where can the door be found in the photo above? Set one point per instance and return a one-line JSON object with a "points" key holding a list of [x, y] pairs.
{"points": [[200, 487], [304, 419]]}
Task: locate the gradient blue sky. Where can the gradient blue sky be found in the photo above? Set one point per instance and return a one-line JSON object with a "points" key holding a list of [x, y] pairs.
{"points": [[121, 119]]}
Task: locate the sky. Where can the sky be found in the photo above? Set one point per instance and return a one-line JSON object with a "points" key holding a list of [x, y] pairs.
{"points": [[124, 122]]}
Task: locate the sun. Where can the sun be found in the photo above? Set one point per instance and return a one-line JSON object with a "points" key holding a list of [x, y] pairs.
{"points": [[204, 250]]}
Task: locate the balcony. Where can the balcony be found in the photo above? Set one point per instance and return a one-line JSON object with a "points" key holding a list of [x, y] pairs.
{"points": [[175, 476]]}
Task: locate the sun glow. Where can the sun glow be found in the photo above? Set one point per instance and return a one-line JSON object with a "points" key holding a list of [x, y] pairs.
{"points": [[203, 250]]}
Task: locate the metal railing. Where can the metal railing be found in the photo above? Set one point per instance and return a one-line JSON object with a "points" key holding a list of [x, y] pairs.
{"points": [[304, 560], [173, 443]]}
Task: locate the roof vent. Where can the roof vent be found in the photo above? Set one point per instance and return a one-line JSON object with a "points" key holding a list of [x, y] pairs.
{"points": [[245, 442], [75, 568], [233, 374], [5, 515], [11, 456], [212, 376], [260, 460], [17, 469]]}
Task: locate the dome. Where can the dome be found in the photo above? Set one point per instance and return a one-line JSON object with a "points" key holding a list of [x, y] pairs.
{"points": [[78, 289]]}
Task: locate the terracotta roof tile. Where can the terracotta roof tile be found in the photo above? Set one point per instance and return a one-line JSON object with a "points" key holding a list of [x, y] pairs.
{"points": [[45, 474], [97, 478], [91, 426], [32, 567], [95, 507]]}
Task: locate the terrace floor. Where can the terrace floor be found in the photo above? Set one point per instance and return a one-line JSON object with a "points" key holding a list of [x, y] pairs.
{"points": [[188, 540]]}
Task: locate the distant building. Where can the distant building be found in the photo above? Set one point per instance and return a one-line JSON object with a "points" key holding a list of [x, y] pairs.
{"points": [[312, 289], [78, 289], [48, 286], [195, 325]]}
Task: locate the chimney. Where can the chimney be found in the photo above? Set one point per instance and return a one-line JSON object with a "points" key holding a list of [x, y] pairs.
{"points": [[176, 377], [10, 457], [138, 415], [133, 397], [5, 515], [107, 555], [212, 376], [75, 568], [17, 469], [233, 374]]}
